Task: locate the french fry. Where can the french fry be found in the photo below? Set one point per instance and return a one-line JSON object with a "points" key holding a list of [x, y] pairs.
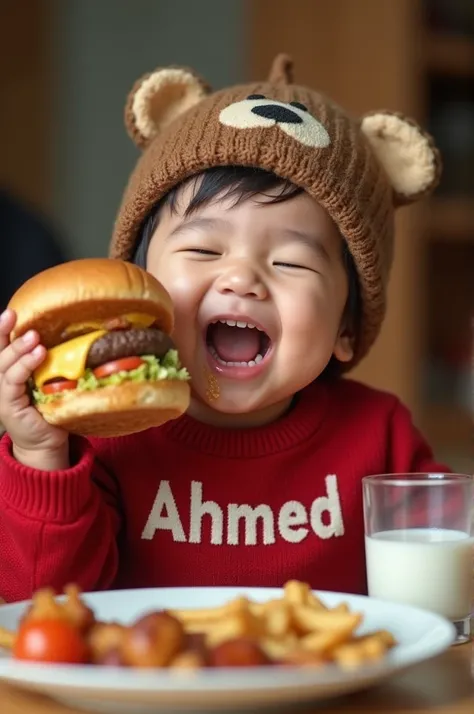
{"points": [[204, 615], [309, 620], [370, 647], [314, 602], [211, 613], [280, 648], [296, 593], [373, 648], [323, 643], [201, 628], [7, 638], [386, 637], [297, 628], [242, 624], [262, 608], [277, 621], [342, 607]]}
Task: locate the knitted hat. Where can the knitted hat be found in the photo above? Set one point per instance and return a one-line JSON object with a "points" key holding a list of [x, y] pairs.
{"points": [[359, 170]]}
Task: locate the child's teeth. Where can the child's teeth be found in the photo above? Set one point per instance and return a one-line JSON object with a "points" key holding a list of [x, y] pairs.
{"points": [[251, 363], [238, 323]]}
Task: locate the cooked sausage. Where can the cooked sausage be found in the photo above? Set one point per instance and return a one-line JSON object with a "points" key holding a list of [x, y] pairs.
{"points": [[128, 343]]}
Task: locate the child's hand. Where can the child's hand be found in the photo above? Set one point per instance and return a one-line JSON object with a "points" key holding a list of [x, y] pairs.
{"points": [[35, 442]]}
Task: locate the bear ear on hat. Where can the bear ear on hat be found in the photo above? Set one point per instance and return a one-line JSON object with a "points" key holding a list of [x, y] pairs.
{"points": [[407, 154], [158, 98]]}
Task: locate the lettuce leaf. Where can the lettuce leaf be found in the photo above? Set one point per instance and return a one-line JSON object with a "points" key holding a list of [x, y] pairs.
{"points": [[154, 370]]}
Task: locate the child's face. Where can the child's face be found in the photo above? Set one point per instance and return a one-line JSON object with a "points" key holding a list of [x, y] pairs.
{"points": [[277, 266]]}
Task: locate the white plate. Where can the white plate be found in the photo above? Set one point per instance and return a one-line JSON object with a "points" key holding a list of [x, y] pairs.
{"points": [[420, 634]]}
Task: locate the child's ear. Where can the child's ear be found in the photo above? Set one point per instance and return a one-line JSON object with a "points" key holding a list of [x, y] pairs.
{"points": [[344, 347], [407, 153], [160, 97]]}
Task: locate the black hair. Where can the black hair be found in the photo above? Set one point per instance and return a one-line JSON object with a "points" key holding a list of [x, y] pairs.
{"points": [[242, 183]]}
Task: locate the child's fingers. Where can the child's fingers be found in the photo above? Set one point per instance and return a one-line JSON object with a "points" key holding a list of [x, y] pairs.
{"points": [[15, 378], [7, 322], [11, 354]]}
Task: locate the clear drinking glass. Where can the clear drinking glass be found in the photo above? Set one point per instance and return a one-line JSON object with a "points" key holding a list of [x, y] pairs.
{"points": [[419, 543]]}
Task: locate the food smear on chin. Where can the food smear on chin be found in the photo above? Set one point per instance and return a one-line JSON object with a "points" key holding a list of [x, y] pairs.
{"points": [[213, 391]]}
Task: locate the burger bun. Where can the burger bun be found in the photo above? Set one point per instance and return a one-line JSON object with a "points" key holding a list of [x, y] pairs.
{"points": [[118, 410]]}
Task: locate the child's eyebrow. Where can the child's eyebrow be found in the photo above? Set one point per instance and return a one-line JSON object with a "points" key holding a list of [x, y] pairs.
{"points": [[312, 240], [197, 223]]}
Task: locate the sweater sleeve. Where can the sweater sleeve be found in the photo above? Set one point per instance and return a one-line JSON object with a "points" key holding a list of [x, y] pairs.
{"points": [[57, 527], [409, 451]]}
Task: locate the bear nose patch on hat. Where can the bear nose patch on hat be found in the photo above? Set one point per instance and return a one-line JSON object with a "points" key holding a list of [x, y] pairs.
{"points": [[290, 118], [277, 113]]}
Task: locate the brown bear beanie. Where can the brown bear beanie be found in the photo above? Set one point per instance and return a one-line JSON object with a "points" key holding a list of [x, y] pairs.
{"points": [[359, 170]]}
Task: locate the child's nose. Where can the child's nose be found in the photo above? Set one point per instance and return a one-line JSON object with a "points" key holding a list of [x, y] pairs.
{"points": [[242, 280]]}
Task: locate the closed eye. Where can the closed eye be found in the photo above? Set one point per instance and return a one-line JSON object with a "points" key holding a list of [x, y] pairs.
{"points": [[291, 265], [199, 251]]}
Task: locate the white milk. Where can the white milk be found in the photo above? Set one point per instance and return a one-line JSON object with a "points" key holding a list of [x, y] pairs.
{"points": [[426, 567]]}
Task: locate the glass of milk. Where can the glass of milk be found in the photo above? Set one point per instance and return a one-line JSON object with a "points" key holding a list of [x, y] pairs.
{"points": [[419, 543]]}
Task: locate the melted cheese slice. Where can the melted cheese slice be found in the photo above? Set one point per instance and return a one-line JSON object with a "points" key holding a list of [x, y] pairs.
{"points": [[134, 318], [67, 360]]}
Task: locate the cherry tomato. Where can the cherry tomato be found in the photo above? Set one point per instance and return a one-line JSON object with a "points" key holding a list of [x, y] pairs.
{"points": [[119, 365], [52, 640], [59, 385]]}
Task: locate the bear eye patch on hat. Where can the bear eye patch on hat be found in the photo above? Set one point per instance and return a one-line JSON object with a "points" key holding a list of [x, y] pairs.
{"points": [[359, 169], [293, 104], [292, 117]]}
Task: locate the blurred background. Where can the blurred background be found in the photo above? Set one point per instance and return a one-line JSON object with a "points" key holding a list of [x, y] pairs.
{"points": [[67, 66]]}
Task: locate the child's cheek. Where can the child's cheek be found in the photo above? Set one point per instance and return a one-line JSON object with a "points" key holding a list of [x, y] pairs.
{"points": [[179, 286], [185, 310]]}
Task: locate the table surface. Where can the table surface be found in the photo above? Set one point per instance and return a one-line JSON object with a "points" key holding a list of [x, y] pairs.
{"points": [[444, 685]]}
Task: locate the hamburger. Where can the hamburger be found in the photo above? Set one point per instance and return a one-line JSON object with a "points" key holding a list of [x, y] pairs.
{"points": [[111, 367]]}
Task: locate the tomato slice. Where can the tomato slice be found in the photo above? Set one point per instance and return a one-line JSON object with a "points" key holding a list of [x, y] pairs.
{"points": [[119, 365], [52, 640], [58, 385]]}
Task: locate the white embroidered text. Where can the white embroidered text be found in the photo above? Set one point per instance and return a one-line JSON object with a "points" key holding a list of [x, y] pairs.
{"points": [[242, 524]]}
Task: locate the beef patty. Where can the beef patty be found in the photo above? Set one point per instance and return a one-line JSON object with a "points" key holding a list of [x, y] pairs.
{"points": [[128, 343]]}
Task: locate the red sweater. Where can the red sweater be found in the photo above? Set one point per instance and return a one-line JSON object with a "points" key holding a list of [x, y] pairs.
{"points": [[191, 504]]}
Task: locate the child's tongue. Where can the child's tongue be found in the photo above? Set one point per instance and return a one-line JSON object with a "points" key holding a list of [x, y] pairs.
{"points": [[235, 344]]}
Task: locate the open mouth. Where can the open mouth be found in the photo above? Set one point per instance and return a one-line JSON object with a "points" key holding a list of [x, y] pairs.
{"points": [[234, 343]]}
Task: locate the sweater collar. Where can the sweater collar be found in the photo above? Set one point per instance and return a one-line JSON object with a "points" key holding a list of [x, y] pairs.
{"points": [[301, 422]]}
